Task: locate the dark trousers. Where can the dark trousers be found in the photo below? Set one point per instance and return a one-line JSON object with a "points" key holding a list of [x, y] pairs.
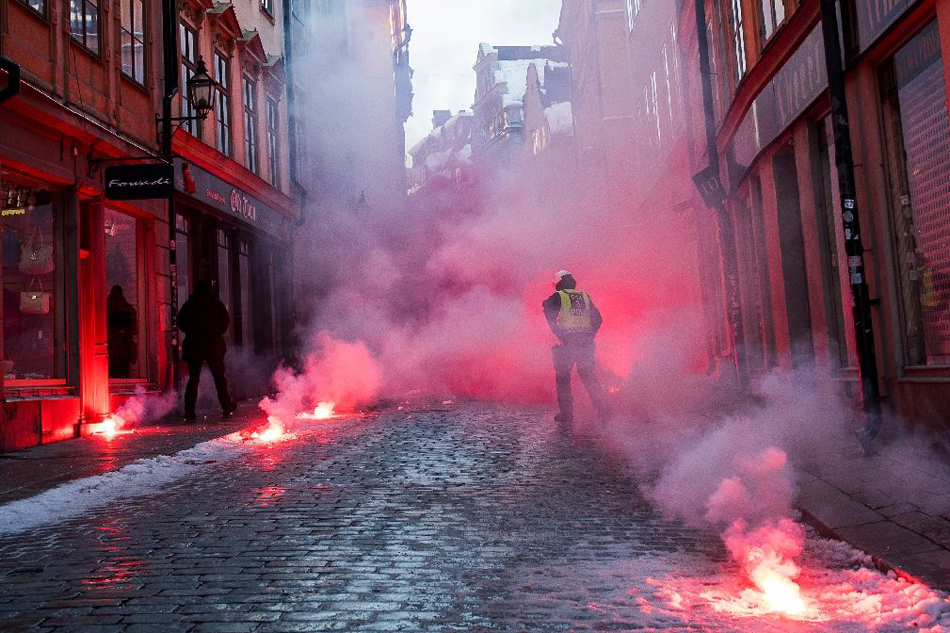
{"points": [[216, 365], [566, 355]]}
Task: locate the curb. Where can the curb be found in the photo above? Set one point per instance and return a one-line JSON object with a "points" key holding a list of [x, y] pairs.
{"points": [[879, 563]]}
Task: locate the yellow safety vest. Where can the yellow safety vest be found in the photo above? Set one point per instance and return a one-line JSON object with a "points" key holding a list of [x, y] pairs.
{"points": [[575, 311]]}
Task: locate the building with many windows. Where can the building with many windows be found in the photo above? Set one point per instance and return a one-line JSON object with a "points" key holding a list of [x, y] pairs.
{"points": [[776, 284], [87, 293]]}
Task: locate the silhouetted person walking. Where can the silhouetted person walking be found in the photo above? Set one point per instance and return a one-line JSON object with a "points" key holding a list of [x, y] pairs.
{"points": [[204, 320], [575, 320], [122, 327]]}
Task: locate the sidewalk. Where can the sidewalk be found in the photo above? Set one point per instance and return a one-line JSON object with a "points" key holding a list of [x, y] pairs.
{"points": [[894, 505], [31, 471]]}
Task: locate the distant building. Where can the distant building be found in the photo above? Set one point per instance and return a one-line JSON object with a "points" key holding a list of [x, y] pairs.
{"points": [[548, 112], [501, 83], [446, 153]]}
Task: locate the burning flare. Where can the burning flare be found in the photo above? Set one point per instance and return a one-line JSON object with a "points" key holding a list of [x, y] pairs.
{"points": [[109, 427], [274, 431], [767, 555], [323, 411]]}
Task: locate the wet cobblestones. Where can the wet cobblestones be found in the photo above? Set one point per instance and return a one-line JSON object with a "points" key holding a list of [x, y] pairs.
{"points": [[469, 518]]}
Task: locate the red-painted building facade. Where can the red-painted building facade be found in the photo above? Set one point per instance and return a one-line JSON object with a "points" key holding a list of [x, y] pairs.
{"points": [[86, 280], [774, 140]]}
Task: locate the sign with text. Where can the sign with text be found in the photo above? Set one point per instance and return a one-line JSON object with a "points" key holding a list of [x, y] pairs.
{"points": [[140, 182], [232, 201], [710, 187], [876, 16]]}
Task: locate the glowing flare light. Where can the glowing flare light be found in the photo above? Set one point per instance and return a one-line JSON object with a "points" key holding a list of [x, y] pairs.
{"points": [[274, 431], [108, 428], [323, 411]]}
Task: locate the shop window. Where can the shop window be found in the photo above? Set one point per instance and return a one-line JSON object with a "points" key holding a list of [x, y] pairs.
{"points": [[918, 143], [273, 146], [183, 257], [250, 123], [225, 284], [268, 6], [247, 332], [133, 40], [33, 298], [188, 40], [84, 23], [223, 106], [38, 6], [124, 303]]}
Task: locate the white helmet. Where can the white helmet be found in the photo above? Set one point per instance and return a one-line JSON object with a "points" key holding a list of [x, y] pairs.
{"points": [[561, 275]]}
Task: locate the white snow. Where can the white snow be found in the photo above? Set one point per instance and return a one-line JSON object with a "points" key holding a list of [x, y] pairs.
{"points": [[560, 118], [141, 477]]}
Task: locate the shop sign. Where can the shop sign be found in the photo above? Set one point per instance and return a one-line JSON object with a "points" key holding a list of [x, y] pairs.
{"points": [[139, 182], [230, 200], [876, 16], [796, 85]]}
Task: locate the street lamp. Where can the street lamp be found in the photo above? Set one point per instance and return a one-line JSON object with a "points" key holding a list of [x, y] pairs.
{"points": [[201, 90]]}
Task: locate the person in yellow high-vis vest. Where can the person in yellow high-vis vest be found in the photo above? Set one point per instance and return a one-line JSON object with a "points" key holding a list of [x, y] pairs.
{"points": [[575, 320]]}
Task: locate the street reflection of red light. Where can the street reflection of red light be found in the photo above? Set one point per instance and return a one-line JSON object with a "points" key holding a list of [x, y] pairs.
{"points": [[268, 495]]}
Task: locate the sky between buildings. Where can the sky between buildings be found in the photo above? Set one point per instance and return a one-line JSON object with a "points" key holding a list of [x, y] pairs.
{"points": [[445, 39]]}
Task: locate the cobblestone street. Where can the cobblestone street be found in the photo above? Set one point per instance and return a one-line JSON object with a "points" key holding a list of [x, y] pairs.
{"points": [[461, 518]]}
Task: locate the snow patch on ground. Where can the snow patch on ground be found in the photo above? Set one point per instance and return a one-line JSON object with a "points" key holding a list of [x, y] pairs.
{"points": [[141, 477]]}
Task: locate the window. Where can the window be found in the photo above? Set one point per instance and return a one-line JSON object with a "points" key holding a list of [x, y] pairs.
{"points": [[189, 62], [244, 265], [917, 130], [268, 6], [33, 286], [84, 23], [633, 10], [39, 6], [224, 277], [133, 39], [223, 105], [123, 310], [773, 14], [273, 152], [737, 30], [250, 123], [183, 254]]}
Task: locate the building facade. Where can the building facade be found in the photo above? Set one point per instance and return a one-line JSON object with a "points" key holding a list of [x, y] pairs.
{"points": [[501, 81], [773, 134], [775, 279], [87, 301]]}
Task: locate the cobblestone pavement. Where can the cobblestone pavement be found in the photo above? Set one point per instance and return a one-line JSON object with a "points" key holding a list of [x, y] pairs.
{"points": [[469, 518]]}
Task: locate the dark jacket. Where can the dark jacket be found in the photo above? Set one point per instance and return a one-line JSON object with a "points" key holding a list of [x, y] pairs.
{"points": [[204, 320], [552, 308]]}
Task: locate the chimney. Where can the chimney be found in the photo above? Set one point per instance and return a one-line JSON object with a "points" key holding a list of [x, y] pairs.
{"points": [[439, 118]]}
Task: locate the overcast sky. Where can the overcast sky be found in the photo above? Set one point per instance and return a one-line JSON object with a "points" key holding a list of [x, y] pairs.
{"points": [[445, 39]]}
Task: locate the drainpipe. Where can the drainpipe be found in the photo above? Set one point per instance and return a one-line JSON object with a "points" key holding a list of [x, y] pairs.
{"points": [[854, 246], [170, 62], [727, 234]]}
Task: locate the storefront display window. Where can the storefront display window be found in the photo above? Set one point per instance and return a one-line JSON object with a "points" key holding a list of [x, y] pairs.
{"points": [[183, 256], [124, 313], [918, 139], [33, 304], [247, 336], [224, 278]]}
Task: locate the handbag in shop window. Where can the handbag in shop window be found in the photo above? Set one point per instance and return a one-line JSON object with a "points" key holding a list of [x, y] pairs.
{"points": [[36, 256], [34, 301]]}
